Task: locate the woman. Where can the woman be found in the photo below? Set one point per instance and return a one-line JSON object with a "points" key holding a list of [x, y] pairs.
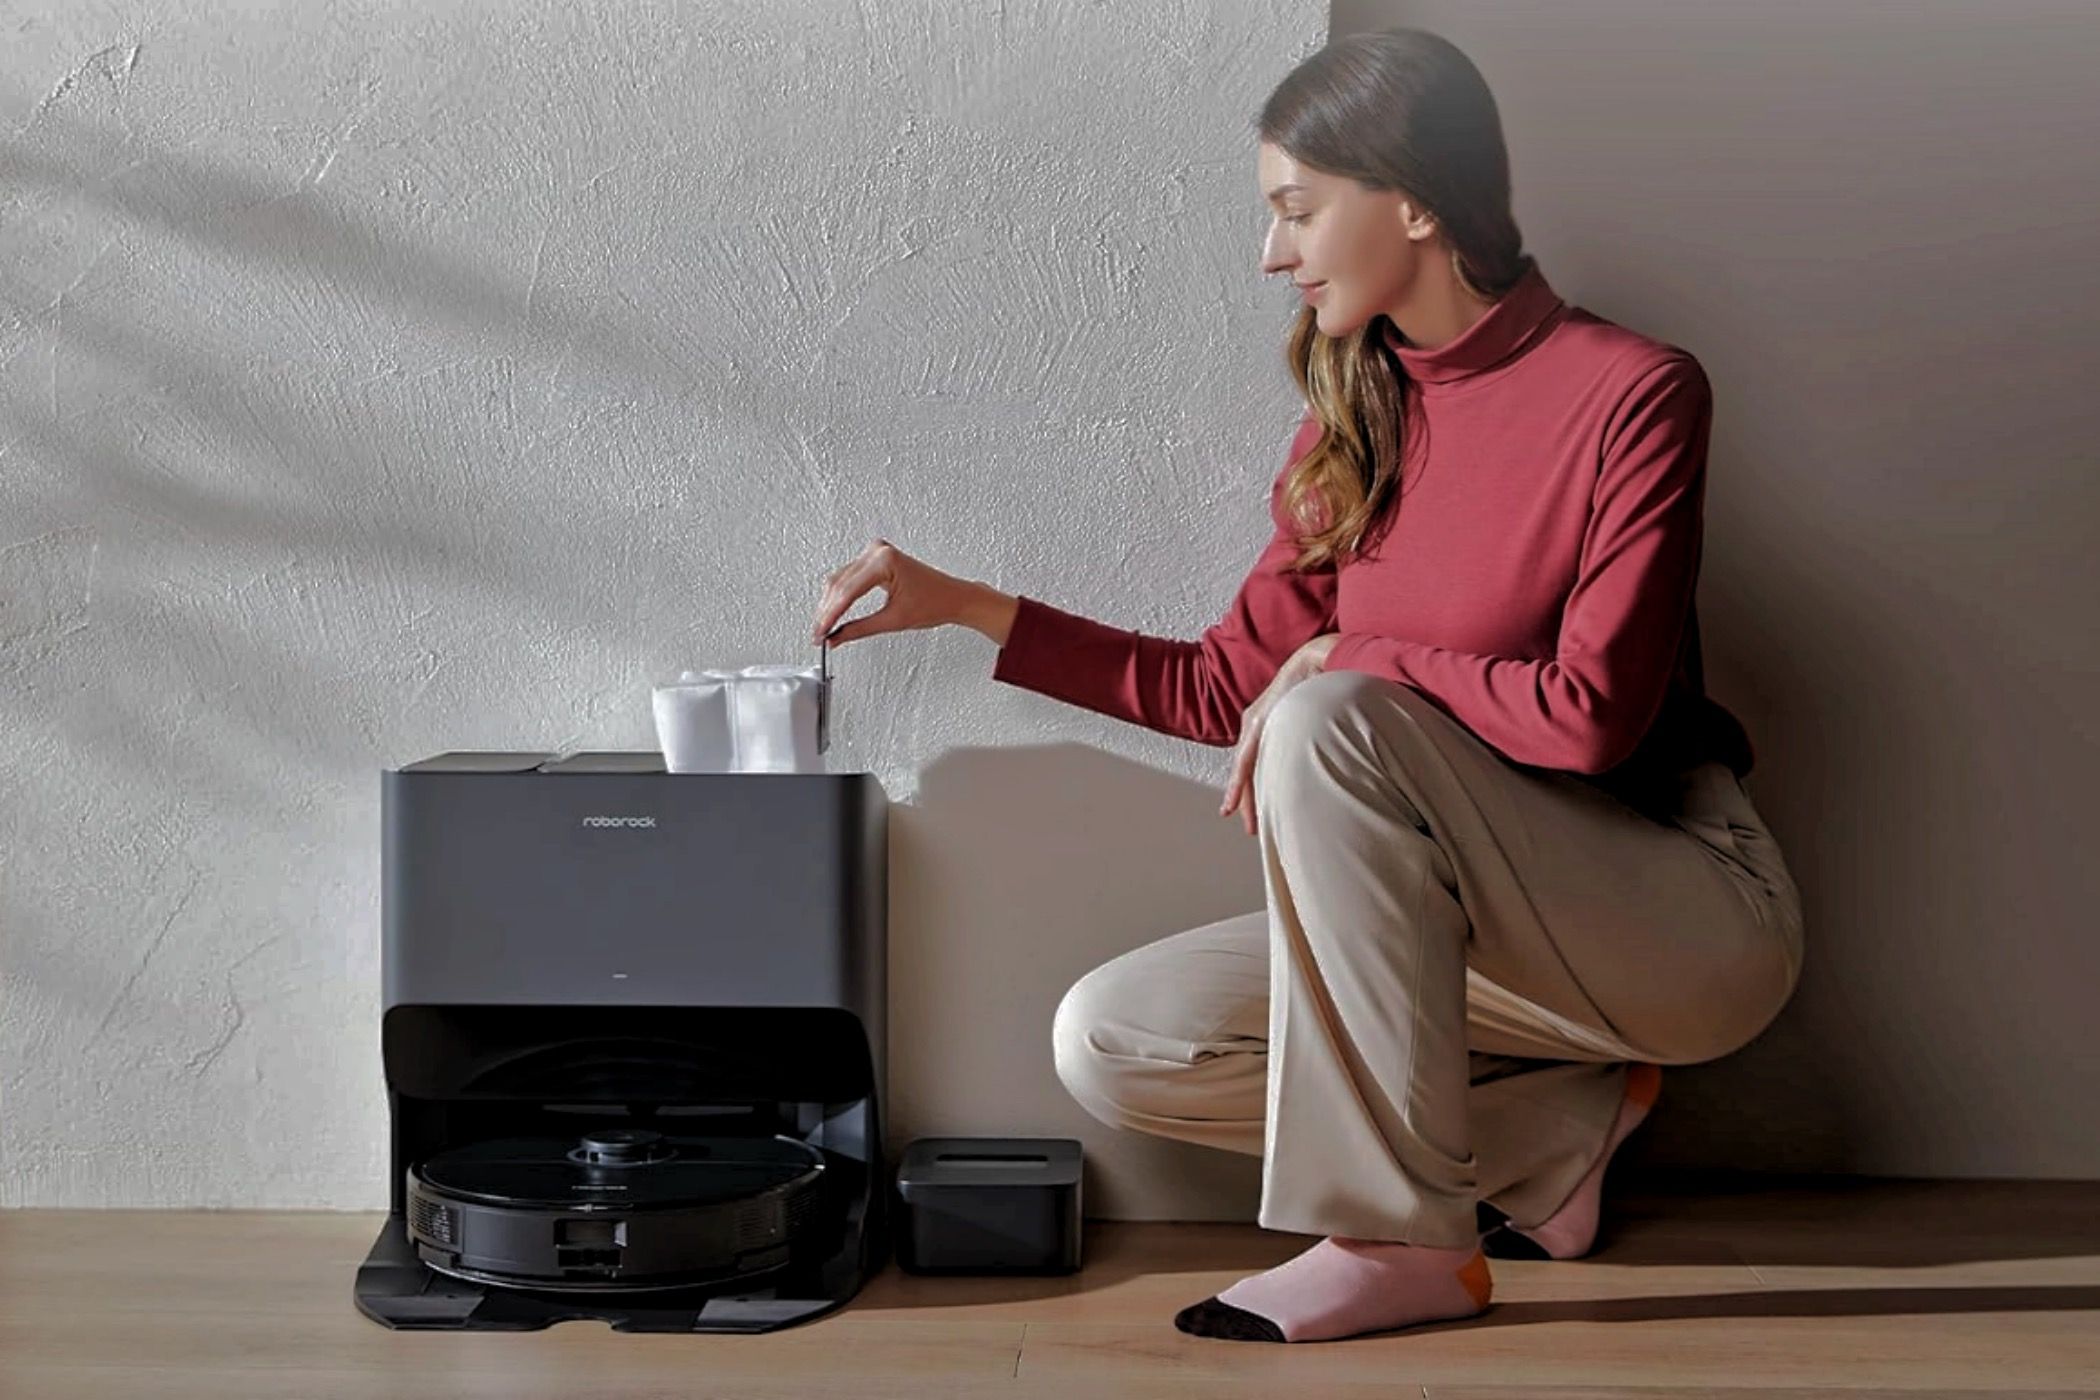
{"points": [[1510, 866]]}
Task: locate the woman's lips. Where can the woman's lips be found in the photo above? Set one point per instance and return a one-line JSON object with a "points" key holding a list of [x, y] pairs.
{"points": [[1311, 291]]}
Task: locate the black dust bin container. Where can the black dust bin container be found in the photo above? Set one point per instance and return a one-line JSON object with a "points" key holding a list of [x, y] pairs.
{"points": [[988, 1205]]}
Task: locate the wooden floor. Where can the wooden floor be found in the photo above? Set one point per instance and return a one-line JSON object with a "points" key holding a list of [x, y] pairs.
{"points": [[1890, 1288]]}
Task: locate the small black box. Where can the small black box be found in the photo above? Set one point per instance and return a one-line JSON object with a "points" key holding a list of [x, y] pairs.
{"points": [[989, 1205]]}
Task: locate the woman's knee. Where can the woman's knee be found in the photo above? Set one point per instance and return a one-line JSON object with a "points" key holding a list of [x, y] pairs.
{"points": [[1337, 722], [1313, 707], [1086, 1069], [1338, 705], [1108, 1059]]}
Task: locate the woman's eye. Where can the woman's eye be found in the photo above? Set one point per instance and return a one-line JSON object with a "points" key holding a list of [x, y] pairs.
{"points": [[1297, 218]]}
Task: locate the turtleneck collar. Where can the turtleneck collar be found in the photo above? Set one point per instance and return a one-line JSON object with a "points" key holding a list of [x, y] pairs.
{"points": [[1516, 321]]}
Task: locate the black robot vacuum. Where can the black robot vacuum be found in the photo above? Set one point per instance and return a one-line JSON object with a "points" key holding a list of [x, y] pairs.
{"points": [[616, 1210]]}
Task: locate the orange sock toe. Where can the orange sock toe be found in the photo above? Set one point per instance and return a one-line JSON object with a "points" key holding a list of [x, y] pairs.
{"points": [[1480, 1284], [1643, 1082]]}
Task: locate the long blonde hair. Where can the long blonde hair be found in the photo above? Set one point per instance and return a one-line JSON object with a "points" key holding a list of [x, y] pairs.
{"points": [[1398, 109]]}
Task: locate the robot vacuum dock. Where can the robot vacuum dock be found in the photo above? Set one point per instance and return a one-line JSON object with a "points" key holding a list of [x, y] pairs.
{"points": [[633, 1041]]}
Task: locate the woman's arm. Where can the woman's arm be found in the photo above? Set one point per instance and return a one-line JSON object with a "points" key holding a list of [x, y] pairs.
{"points": [[1191, 689], [990, 611]]}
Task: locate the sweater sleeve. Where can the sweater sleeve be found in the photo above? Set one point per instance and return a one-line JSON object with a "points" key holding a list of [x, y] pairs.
{"points": [[1191, 689], [1587, 708]]}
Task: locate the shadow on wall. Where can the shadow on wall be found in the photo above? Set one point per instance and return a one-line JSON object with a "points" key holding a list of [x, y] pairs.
{"points": [[1867, 762], [155, 430], [266, 226], [1014, 873]]}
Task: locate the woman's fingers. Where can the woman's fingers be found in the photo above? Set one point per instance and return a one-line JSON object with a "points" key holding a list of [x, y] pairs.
{"points": [[1239, 789], [846, 585], [861, 627], [838, 597], [825, 611]]}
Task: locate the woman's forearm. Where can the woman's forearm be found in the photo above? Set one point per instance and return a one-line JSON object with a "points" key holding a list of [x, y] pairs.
{"points": [[987, 610]]}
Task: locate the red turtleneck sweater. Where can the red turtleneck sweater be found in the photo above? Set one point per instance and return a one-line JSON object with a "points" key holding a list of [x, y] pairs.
{"points": [[1535, 578]]}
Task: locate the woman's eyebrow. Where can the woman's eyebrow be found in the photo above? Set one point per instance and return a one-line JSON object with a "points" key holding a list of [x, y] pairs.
{"points": [[1281, 189]]}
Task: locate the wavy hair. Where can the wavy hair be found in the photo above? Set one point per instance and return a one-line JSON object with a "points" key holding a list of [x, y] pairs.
{"points": [[1396, 109]]}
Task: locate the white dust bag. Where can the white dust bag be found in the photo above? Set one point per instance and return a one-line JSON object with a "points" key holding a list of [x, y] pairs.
{"points": [[761, 719]]}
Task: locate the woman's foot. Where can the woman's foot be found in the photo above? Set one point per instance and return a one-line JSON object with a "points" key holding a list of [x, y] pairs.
{"points": [[1342, 1287], [1570, 1231]]}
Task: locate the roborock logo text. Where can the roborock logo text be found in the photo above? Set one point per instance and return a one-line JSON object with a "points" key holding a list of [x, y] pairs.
{"points": [[619, 821]]}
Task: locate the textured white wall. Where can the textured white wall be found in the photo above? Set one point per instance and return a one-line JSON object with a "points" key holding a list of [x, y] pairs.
{"points": [[386, 378]]}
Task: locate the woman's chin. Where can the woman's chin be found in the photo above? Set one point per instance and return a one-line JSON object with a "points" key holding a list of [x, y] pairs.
{"points": [[1331, 321]]}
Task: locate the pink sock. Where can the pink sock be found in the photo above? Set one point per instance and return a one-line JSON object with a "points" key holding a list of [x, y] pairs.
{"points": [[1570, 1231], [1342, 1287]]}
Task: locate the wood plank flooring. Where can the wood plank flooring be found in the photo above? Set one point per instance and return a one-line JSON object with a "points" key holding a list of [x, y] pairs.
{"points": [[1854, 1288]]}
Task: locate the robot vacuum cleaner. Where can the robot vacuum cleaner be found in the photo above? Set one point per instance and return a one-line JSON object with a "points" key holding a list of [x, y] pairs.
{"points": [[614, 1211]]}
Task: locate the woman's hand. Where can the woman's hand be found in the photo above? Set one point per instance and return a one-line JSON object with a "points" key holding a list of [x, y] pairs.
{"points": [[1308, 660], [918, 595]]}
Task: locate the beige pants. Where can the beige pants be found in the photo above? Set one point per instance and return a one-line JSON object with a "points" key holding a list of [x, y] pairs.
{"points": [[1458, 957]]}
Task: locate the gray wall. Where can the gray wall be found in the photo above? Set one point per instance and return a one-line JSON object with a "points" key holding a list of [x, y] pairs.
{"points": [[1875, 224], [391, 378]]}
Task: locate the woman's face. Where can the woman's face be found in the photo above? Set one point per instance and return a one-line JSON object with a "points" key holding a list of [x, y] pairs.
{"points": [[1352, 242]]}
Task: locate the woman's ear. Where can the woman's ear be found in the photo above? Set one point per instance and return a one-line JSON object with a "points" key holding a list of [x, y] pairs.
{"points": [[1415, 221]]}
